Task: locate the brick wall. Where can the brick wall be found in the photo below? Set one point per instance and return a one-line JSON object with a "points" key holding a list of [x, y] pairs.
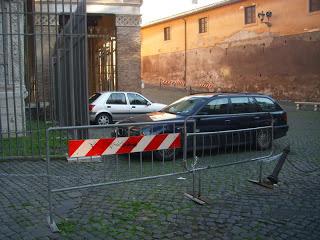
{"points": [[286, 67], [128, 53]]}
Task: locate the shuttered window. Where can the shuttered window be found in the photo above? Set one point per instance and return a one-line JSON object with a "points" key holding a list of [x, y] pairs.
{"points": [[203, 25], [314, 5], [166, 33], [250, 15]]}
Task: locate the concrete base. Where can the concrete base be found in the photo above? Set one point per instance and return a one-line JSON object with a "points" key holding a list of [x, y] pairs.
{"points": [[85, 159]]}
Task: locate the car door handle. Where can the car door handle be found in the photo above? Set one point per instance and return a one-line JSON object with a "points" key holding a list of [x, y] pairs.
{"points": [[227, 121], [256, 118], [108, 106], [133, 107]]}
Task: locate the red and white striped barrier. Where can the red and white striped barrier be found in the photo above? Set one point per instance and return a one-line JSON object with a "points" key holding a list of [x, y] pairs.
{"points": [[122, 145], [207, 85]]}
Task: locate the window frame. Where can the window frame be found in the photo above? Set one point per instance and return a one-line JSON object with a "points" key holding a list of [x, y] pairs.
{"points": [[251, 101], [310, 7], [215, 99], [246, 15], [125, 98], [203, 25], [167, 33], [275, 105], [137, 95]]}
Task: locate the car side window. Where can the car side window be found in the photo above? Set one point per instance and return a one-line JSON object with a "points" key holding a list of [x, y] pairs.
{"points": [[216, 106], [135, 99], [265, 104], [243, 105], [117, 98]]}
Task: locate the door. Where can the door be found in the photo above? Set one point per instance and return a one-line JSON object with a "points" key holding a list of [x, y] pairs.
{"points": [[138, 104], [245, 115], [213, 117], [118, 106]]}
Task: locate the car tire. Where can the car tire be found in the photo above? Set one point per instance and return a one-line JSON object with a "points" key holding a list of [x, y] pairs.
{"points": [[166, 155], [103, 119], [263, 139]]}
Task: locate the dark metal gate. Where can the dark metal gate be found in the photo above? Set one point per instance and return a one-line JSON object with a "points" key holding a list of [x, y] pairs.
{"points": [[102, 53], [43, 72], [70, 69]]}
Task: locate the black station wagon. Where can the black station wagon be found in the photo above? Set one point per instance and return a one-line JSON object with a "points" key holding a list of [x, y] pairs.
{"points": [[221, 112]]}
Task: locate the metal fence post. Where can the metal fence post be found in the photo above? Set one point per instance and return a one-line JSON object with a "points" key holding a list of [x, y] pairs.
{"points": [[53, 226]]}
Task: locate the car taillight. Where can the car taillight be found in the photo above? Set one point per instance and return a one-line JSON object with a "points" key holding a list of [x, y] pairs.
{"points": [[284, 117], [91, 107]]}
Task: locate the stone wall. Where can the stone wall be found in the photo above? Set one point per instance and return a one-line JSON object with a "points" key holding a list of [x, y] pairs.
{"points": [[128, 53], [287, 67]]}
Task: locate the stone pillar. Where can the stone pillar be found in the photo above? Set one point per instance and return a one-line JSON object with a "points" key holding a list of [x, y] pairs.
{"points": [[12, 84], [128, 53]]}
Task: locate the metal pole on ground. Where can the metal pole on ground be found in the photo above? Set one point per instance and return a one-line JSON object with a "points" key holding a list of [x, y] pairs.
{"points": [[53, 226]]}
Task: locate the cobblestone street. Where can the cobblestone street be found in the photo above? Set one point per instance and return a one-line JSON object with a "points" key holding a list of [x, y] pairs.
{"points": [[157, 209]]}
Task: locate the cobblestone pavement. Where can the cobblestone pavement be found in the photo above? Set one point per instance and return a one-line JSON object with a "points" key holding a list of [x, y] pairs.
{"points": [[157, 209]]}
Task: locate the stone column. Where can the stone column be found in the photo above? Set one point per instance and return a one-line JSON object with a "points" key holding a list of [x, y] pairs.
{"points": [[12, 85], [128, 53]]}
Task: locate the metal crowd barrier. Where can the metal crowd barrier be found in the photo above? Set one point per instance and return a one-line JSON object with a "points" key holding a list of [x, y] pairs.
{"points": [[130, 152], [116, 164], [217, 149]]}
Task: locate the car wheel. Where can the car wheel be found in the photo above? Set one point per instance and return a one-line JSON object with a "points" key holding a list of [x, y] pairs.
{"points": [[263, 139], [103, 119], [166, 155]]}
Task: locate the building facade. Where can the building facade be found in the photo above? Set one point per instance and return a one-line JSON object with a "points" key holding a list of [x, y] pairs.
{"points": [[238, 45]]}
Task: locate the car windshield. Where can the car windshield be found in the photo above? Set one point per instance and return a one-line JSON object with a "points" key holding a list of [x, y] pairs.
{"points": [[184, 106], [94, 97]]}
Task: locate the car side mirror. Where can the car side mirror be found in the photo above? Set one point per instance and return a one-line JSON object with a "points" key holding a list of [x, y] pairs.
{"points": [[148, 103]]}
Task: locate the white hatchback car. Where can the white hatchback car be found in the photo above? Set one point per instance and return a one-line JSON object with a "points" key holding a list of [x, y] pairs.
{"points": [[108, 107]]}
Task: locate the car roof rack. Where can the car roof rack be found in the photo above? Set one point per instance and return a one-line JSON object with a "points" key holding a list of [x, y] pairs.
{"points": [[225, 93]]}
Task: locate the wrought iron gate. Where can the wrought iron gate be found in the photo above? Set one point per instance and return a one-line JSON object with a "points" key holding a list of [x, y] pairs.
{"points": [[43, 72]]}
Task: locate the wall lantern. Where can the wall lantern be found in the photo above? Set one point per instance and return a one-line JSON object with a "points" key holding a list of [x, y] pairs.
{"points": [[265, 17]]}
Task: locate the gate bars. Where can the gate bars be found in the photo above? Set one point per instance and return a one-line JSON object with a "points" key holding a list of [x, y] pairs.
{"points": [[43, 72]]}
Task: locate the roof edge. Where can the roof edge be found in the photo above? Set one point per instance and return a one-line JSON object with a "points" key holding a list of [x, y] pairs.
{"points": [[191, 12]]}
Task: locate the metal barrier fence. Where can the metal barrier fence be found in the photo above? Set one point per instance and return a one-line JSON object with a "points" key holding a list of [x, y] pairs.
{"points": [[141, 151], [114, 168], [238, 145]]}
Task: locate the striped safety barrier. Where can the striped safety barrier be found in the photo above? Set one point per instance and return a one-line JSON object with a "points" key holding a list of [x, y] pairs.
{"points": [[207, 85], [122, 145]]}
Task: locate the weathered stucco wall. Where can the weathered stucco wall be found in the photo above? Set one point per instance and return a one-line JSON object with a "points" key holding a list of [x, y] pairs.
{"points": [[286, 67], [282, 59]]}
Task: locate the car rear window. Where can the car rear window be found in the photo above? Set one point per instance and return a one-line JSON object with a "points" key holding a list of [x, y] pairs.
{"points": [[94, 97], [117, 98], [266, 104]]}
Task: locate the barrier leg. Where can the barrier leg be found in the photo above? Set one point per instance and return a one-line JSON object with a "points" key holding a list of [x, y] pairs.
{"points": [[53, 226], [260, 181], [196, 194], [273, 178]]}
